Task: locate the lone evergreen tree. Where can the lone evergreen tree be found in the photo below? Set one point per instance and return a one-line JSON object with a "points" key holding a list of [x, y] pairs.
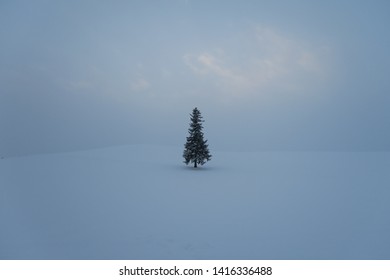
{"points": [[196, 149]]}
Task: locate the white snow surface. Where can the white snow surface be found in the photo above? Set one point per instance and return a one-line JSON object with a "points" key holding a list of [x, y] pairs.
{"points": [[142, 202]]}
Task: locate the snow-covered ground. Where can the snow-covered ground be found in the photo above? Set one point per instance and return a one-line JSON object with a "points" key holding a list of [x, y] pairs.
{"points": [[141, 202]]}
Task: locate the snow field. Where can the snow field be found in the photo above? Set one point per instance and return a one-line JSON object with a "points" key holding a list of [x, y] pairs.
{"points": [[142, 202]]}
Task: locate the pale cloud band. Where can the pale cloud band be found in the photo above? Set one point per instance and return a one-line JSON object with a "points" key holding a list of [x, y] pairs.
{"points": [[278, 62], [140, 84]]}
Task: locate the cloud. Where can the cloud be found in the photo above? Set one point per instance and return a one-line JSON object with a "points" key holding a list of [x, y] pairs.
{"points": [[273, 61], [208, 64], [139, 84], [81, 85]]}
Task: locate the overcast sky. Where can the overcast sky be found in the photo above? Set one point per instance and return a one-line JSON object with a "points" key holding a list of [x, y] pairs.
{"points": [[279, 75]]}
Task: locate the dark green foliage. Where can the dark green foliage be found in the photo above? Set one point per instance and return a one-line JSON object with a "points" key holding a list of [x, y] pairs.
{"points": [[196, 149]]}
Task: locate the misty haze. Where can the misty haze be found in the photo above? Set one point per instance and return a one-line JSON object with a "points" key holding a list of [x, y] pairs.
{"points": [[95, 104]]}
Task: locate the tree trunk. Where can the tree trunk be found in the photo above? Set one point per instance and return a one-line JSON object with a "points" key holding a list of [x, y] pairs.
{"points": [[195, 165]]}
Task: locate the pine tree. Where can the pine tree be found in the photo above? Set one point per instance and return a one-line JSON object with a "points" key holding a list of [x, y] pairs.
{"points": [[196, 148]]}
